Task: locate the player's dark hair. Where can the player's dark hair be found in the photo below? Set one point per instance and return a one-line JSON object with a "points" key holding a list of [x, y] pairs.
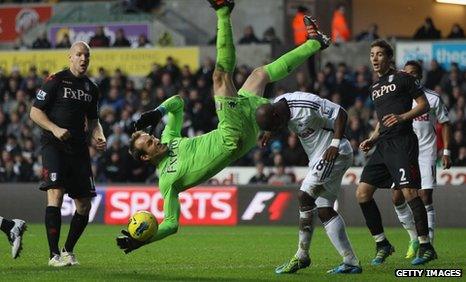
{"points": [[415, 64], [135, 152], [384, 45]]}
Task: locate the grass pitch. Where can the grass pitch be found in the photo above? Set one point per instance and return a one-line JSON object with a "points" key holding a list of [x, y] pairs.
{"points": [[216, 253]]}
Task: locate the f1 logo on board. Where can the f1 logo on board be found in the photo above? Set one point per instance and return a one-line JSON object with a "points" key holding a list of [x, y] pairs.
{"points": [[263, 201], [199, 206]]}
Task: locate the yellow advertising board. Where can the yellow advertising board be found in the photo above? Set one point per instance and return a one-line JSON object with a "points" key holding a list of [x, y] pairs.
{"points": [[133, 62]]}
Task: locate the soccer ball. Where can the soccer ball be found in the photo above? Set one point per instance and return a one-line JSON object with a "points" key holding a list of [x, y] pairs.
{"points": [[142, 225]]}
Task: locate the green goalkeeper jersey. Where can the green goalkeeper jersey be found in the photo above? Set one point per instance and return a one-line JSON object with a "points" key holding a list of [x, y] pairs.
{"points": [[191, 161]]}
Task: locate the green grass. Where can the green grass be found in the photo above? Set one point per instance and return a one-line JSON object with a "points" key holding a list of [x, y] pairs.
{"points": [[215, 253]]}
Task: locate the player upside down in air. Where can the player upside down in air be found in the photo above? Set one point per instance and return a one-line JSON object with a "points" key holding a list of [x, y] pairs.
{"points": [[186, 162]]}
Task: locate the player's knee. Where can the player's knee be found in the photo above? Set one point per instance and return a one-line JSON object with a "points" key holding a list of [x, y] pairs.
{"points": [[306, 202], [260, 75], [363, 194], [326, 213], [219, 78], [409, 193], [83, 206], [425, 196], [55, 197], [397, 197]]}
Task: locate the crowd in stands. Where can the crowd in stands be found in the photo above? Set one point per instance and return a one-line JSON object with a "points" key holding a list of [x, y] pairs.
{"points": [[121, 103]]}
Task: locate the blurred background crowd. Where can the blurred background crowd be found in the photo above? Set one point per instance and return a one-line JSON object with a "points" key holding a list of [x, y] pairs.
{"points": [[123, 98]]}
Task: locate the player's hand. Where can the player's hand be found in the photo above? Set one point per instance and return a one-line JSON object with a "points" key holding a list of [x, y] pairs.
{"points": [[330, 154], [446, 162], [265, 138], [100, 143], [391, 120], [127, 243], [366, 145], [149, 118], [61, 133]]}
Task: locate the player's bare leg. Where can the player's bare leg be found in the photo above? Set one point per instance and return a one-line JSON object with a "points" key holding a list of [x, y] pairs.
{"points": [[426, 250], [406, 218], [364, 195]]}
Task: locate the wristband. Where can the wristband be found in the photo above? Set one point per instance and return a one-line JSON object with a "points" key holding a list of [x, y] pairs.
{"points": [[446, 152], [335, 143]]}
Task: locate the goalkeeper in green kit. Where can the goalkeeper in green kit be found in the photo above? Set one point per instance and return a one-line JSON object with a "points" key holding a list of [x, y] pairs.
{"points": [[183, 163]]}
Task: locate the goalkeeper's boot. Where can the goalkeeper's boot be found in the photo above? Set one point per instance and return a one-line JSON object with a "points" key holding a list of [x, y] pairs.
{"points": [[57, 261], [16, 237], [345, 269], [293, 265], [413, 247], [217, 4], [313, 32], [426, 254], [69, 257], [383, 251]]}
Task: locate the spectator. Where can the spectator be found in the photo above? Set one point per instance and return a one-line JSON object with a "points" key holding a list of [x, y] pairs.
{"points": [[434, 75], [280, 177], [42, 42], [65, 42], [270, 36], [456, 32], [172, 68], [299, 29], [99, 39], [340, 27], [293, 153], [427, 31], [369, 35], [259, 177], [461, 160], [142, 42], [120, 39], [248, 36]]}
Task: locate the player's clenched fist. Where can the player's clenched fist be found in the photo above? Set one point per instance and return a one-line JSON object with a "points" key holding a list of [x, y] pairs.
{"points": [[61, 133], [366, 145]]}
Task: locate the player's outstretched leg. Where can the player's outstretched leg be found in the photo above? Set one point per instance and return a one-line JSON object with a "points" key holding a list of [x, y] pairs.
{"points": [[14, 230]]}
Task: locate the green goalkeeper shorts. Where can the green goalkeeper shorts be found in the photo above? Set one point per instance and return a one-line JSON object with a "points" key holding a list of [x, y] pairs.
{"points": [[237, 121]]}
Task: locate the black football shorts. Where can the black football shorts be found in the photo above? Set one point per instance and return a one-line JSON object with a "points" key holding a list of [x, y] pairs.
{"points": [[71, 172], [394, 163]]}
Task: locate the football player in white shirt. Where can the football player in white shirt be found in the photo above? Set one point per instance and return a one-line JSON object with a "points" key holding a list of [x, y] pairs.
{"points": [[424, 127], [320, 125]]}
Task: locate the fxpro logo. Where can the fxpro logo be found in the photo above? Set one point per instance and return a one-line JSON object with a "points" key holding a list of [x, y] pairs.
{"points": [[261, 200]]}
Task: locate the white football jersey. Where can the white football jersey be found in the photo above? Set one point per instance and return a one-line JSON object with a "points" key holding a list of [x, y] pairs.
{"points": [[312, 119], [424, 126]]}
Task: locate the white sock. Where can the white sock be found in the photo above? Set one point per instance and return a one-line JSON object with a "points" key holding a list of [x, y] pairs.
{"points": [[405, 215], [379, 237], [336, 232], [431, 221], [305, 235]]}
